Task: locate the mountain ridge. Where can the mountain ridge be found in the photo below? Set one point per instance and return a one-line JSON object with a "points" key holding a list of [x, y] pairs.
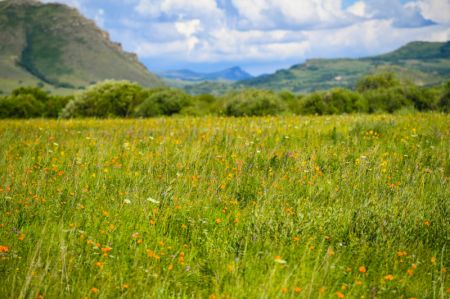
{"points": [[424, 63], [53, 45]]}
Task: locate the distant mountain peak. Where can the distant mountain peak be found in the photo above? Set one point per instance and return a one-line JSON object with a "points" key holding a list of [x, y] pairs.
{"points": [[235, 73]]}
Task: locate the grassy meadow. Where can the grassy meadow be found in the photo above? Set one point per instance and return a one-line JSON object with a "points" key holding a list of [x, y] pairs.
{"points": [[352, 206]]}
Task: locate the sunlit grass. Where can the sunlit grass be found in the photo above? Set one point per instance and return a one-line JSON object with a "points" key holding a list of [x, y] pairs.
{"points": [[301, 207]]}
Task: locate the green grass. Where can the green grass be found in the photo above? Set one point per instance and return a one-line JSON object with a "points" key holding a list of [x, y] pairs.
{"points": [[226, 208]]}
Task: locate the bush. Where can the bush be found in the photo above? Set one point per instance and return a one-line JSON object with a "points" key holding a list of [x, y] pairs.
{"points": [[163, 102], [20, 106], [55, 104], [252, 102], [335, 101], [106, 99], [377, 81], [36, 92], [444, 102]]}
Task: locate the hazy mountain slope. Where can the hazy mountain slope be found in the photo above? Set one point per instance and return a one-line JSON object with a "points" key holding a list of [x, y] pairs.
{"points": [[231, 74], [421, 62], [55, 45]]}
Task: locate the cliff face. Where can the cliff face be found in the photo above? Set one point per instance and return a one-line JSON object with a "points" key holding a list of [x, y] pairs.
{"points": [[55, 45]]}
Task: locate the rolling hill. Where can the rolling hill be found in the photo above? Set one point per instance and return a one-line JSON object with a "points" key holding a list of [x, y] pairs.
{"points": [[54, 46], [424, 63]]}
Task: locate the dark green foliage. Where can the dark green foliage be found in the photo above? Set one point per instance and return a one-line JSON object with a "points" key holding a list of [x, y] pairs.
{"points": [[55, 104], [163, 102], [21, 106], [29, 102], [36, 92], [335, 101], [444, 103], [253, 102], [107, 99], [376, 81]]}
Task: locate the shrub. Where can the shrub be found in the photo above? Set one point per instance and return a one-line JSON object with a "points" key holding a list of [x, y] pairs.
{"points": [[376, 81], [55, 104], [106, 99], [444, 102], [20, 106], [252, 102], [36, 92], [163, 102], [335, 101]]}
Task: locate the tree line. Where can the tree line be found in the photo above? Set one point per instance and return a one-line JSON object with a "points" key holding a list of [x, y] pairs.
{"points": [[376, 93]]}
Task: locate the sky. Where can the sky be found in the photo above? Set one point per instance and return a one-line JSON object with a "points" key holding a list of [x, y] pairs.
{"points": [[262, 36]]}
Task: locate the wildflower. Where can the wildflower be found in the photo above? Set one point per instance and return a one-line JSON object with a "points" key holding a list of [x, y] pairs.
{"points": [[22, 237], [296, 239], [401, 253], [427, 222], [330, 251], [359, 283], [389, 277], [105, 213], [340, 295], [410, 272], [284, 290], [156, 202], [362, 269], [433, 260], [297, 290], [4, 248], [236, 220], [279, 260], [184, 226], [106, 249], [170, 268], [125, 286], [218, 220], [99, 264], [230, 268], [94, 290]]}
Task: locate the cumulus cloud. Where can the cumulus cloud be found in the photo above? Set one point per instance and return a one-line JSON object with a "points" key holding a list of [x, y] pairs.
{"points": [[435, 10], [183, 32]]}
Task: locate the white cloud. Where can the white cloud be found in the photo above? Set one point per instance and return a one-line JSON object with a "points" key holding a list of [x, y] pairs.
{"points": [[436, 10], [359, 9], [266, 31]]}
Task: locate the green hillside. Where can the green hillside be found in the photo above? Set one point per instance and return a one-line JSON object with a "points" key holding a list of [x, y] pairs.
{"points": [[54, 46], [423, 63]]}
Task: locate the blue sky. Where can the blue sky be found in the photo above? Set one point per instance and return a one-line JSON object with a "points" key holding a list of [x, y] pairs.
{"points": [[263, 35]]}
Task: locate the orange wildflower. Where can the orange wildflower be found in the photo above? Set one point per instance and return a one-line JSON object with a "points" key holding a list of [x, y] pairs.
{"points": [[218, 220], [297, 290], [340, 295], [4, 248], [362, 269], [284, 290], [94, 290], [389, 277], [106, 249]]}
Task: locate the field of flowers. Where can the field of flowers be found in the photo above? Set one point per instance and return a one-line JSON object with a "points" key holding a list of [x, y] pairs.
{"points": [[282, 207]]}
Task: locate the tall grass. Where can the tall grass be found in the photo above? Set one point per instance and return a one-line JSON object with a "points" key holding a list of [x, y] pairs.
{"points": [[301, 207]]}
